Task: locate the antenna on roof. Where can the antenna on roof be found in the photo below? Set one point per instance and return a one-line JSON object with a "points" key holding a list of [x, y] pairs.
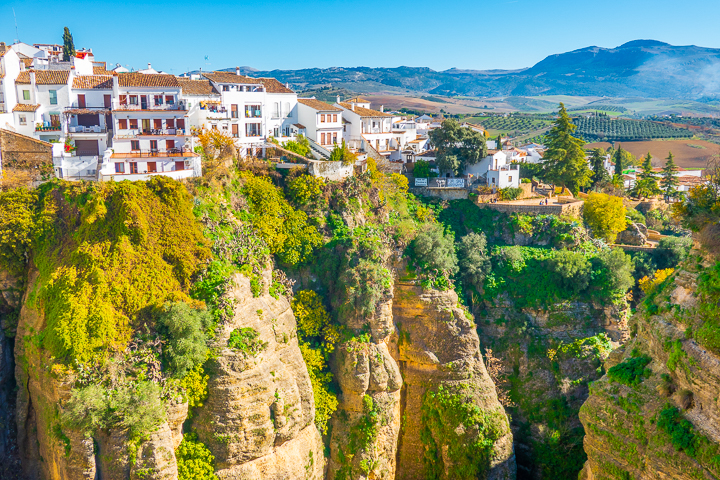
{"points": [[17, 40]]}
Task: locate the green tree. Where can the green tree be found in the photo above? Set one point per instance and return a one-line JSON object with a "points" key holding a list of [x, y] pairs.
{"points": [[341, 153], [498, 142], [184, 330], [597, 162], [670, 182], [565, 163], [646, 184], [68, 45], [605, 214], [434, 251], [301, 146], [457, 147], [474, 260], [572, 270], [620, 160]]}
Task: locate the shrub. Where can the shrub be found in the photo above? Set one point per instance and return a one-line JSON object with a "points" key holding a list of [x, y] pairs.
{"points": [[635, 216], [325, 400], [631, 371], [649, 284], [644, 264], [17, 227], [285, 230], [605, 215], [195, 384], [613, 272], [313, 321], [681, 431], [474, 260], [246, 340], [434, 251], [194, 460], [363, 286], [671, 251], [572, 270], [422, 170], [184, 328], [301, 146], [305, 188], [509, 193]]}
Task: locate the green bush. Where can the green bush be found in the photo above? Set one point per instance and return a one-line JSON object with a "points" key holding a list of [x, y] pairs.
{"points": [[681, 431], [184, 328], [194, 460], [631, 371], [635, 216], [572, 270], [17, 228], [509, 193], [671, 251], [305, 189], [422, 170], [612, 273], [474, 260], [644, 264], [434, 251], [246, 340], [364, 284]]}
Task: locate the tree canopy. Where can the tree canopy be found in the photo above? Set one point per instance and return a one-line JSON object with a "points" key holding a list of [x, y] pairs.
{"points": [[457, 147], [597, 162], [646, 183], [605, 214], [68, 45], [669, 182], [565, 163]]}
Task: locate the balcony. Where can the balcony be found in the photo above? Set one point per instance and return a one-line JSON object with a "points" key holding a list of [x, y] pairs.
{"points": [[165, 107], [173, 152], [163, 132], [76, 109], [86, 129]]}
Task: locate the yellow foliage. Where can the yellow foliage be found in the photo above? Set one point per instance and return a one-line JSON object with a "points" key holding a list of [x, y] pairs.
{"points": [[648, 284], [195, 384], [605, 214], [305, 188]]}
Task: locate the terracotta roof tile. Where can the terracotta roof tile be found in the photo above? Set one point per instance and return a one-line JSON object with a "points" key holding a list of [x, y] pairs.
{"points": [[44, 77], [357, 100], [98, 70], [197, 87], [274, 86], [135, 79], [25, 107], [93, 82], [227, 77], [364, 112], [27, 62], [318, 105]]}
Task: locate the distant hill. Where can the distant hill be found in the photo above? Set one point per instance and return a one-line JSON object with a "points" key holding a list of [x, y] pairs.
{"points": [[641, 68]]}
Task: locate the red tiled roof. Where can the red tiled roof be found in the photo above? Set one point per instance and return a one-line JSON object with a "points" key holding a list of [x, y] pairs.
{"points": [[101, 70], [197, 87], [364, 112], [274, 86], [318, 105], [93, 82], [227, 77], [44, 77], [25, 107], [135, 79]]}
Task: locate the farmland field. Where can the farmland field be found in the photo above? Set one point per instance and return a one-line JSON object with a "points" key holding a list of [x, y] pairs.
{"points": [[606, 129], [514, 126], [688, 153]]}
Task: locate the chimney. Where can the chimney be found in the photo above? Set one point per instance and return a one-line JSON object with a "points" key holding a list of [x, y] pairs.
{"points": [[338, 99], [353, 106], [237, 71], [382, 108], [149, 66]]}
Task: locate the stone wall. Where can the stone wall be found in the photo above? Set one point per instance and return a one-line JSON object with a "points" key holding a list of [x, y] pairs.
{"points": [[330, 170], [445, 193], [23, 159], [571, 209]]}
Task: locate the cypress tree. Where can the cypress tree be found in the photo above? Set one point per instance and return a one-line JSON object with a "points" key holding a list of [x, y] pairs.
{"points": [[619, 160], [565, 162], [669, 182], [597, 162], [68, 45]]}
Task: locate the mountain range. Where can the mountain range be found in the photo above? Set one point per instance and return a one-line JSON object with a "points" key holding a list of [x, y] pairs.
{"points": [[641, 68]]}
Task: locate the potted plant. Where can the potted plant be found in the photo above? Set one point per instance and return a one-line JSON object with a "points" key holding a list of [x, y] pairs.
{"points": [[69, 146]]}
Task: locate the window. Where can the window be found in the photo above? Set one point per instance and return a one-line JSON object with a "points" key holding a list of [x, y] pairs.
{"points": [[170, 100], [322, 118], [334, 137], [252, 111], [133, 100], [23, 119], [214, 127], [119, 168], [133, 167], [170, 123], [322, 139], [181, 123], [276, 132], [335, 118], [134, 144], [152, 167], [157, 124], [287, 108], [235, 132], [226, 88], [26, 94], [510, 178], [133, 123], [252, 129], [169, 144], [53, 97], [153, 146], [158, 99], [234, 111], [122, 124], [276, 110], [179, 166], [123, 99]]}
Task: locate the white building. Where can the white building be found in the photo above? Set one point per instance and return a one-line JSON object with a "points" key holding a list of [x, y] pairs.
{"points": [[496, 169], [10, 68], [43, 96], [323, 124], [368, 127]]}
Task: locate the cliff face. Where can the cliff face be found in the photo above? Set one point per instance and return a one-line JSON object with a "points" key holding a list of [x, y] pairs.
{"points": [[258, 419], [542, 362], [10, 299], [661, 421], [437, 348]]}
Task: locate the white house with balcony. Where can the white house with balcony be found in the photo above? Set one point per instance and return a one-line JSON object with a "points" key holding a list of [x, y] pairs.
{"points": [[10, 68], [496, 169], [204, 104], [43, 96], [150, 133], [252, 109], [323, 124], [368, 127]]}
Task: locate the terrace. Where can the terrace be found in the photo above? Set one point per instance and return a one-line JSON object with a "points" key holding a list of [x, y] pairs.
{"points": [[161, 132], [174, 152]]}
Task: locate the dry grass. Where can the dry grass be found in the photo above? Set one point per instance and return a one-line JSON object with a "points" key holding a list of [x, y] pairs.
{"points": [[687, 155]]}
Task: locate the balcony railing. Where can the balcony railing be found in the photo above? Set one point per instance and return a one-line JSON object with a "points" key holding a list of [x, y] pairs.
{"points": [[85, 129], [76, 106], [173, 152], [51, 128], [163, 132], [180, 106]]}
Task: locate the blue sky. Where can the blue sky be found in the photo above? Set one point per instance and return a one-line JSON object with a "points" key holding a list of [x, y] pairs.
{"points": [[475, 34]]}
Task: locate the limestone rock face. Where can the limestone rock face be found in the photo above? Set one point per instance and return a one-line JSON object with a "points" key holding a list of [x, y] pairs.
{"points": [[370, 383], [622, 437], [258, 419], [635, 234], [10, 297], [50, 453], [437, 346]]}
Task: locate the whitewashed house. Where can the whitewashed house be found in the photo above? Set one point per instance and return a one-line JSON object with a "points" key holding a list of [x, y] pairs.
{"points": [[10, 68], [368, 127], [43, 96], [323, 125]]}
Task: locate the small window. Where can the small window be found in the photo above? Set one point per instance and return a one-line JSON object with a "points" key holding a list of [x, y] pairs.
{"points": [[226, 88], [53, 97], [23, 120], [133, 167], [334, 138], [158, 99], [133, 123], [26, 94], [122, 124], [119, 168], [322, 118], [322, 139], [169, 99], [134, 144], [133, 100], [334, 118]]}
